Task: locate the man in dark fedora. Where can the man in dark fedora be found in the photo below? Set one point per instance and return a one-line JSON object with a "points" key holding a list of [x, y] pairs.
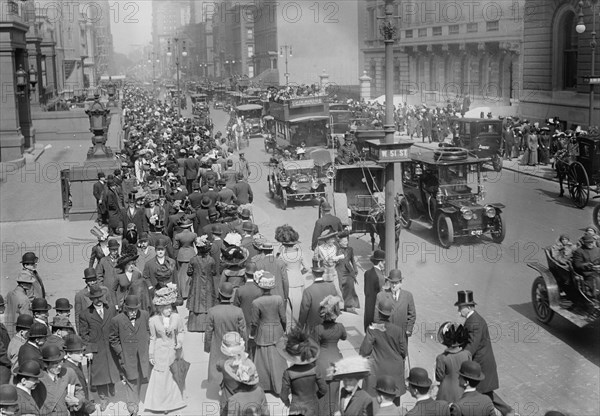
{"points": [[134, 215], [94, 329], [130, 340], [374, 281], [99, 190], [472, 402], [327, 220], [106, 271], [195, 196], [404, 314], [18, 301], [58, 380], [113, 203], [158, 236], [82, 301], [29, 263], [419, 385], [201, 219], [480, 347], [74, 354], [310, 306], [23, 326], [61, 327], [386, 394]]}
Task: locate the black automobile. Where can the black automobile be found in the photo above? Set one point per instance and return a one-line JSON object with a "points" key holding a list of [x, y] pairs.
{"points": [[481, 136], [443, 188]]}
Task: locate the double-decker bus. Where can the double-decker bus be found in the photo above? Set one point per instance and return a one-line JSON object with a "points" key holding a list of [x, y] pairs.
{"points": [[301, 120]]}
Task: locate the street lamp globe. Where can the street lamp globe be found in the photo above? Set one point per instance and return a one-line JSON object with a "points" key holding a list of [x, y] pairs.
{"points": [[169, 53], [580, 28], [184, 53], [21, 77], [33, 76]]}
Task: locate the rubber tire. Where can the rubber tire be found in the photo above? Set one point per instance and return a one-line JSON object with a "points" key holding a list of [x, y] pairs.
{"points": [[499, 238], [450, 153], [284, 199], [547, 314], [596, 215], [497, 163], [406, 223], [271, 188], [443, 220]]}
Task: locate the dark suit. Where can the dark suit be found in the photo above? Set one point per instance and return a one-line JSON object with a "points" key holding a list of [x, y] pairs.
{"points": [[5, 363], [56, 391], [327, 220], [201, 219], [243, 193], [138, 218], [404, 313], [190, 170], [582, 259], [32, 352], [244, 296], [99, 191], [107, 276], [156, 237], [195, 199], [374, 280], [430, 407], [95, 332], [361, 404], [97, 254], [88, 406], [113, 204], [473, 403], [31, 404], [480, 347], [82, 302], [311, 303]]}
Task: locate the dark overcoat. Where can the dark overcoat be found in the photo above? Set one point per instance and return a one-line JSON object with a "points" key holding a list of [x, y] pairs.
{"points": [[138, 218], [311, 303], [95, 332], [131, 344], [374, 280], [244, 296], [361, 404], [480, 347], [430, 407], [473, 403], [327, 220], [107, 271], [404, 313], [27, 402]]}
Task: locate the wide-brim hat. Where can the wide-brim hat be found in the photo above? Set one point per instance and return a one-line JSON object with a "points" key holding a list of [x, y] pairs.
{"points": [[205, 202], [264, 279], [418, 377], [351, 367], [285, 352], [124, 260], [378, 255], [233, 344], [166, 295], [96, 291], [465, 298], [243, 371], [471, 370], [327, 233], [234, 256]]}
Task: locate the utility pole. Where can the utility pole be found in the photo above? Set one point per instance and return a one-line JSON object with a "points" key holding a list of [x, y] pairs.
{"points": [[286, 48]]}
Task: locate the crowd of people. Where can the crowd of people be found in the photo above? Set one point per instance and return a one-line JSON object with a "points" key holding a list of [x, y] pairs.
{"points": [[176, 229]]}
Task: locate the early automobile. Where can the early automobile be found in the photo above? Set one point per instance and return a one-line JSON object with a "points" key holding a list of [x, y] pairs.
{"points": [[295, 180], [558, 289], [252, 115], [443, 188], [481, 136]]}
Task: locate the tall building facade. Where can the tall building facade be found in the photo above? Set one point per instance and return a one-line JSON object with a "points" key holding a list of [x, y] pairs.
{"points": [[556, 61], [168, 19], [445, 49]]}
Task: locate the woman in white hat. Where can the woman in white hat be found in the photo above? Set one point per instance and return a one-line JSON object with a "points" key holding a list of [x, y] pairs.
{"points": [[327, 257], [234, 347], [166, 342]]}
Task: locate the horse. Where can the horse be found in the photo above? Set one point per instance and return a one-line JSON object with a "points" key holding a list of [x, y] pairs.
{"points": [[375, 222], [238, 131], [563, 158]]}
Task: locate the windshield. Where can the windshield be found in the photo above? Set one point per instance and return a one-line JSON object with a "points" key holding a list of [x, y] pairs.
{"points": [[459, 178], [250, 113], [312, 133], [489, 128]]}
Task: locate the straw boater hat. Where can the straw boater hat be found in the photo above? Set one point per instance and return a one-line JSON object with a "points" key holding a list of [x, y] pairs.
{"points": [[166, 295], [232, 344], [352, 367], [264, 279], [327, 233], [242, 371], [298, 347]]}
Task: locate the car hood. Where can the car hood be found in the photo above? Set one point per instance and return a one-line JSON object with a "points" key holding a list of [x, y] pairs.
{"points": [[468, 203]]}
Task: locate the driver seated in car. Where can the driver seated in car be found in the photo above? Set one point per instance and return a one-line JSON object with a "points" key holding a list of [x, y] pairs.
{"points": [[348, 153], [585, 262], [562, 250]]}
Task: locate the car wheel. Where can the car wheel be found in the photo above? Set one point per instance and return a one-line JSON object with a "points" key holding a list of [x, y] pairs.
{"points": [[497, 163], [444, 230], [404, 209], [498, 229], [271, 188], [284, 199], [596, 215], [541, 300]]}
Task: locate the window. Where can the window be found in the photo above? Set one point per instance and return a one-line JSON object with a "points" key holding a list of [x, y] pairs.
{"points": [[408, 34], [492, 26], [567, 44], [373, 73], [250, 35], [453, 29], [250, 51], [371, 33], [472, 27], [423, 32], [437, 31]]}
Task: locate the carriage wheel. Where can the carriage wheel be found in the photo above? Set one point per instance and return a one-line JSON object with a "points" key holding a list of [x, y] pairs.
{"points": [[497, 162], [579, 184], [404, 209], [284, 199], [445, 230], [540, 300], [596, 215]]}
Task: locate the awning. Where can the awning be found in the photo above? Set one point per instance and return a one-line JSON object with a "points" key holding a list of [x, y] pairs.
{"points": [[308, 118], [248, 107]]}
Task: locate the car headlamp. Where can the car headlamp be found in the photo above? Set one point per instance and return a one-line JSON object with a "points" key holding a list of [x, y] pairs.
{"points": [[466, 213], [294, 186], [490, 211]]}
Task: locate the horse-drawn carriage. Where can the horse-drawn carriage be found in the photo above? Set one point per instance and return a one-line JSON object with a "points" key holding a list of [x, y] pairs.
{"points": [[295, 180], [443, 188], [558, 289], [579, 162]]}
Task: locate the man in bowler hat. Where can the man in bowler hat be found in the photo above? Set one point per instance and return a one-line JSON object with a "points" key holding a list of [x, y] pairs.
{"points": [[374, 281], [130, 340], [404, 314], [310, 306], [480, 347], [29, 262], [18, 301], [472, 403], [419, 385], [386, 393]]}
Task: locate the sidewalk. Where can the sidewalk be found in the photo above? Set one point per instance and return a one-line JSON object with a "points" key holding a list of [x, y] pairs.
{"points": [[540, 171], [33, 192]]}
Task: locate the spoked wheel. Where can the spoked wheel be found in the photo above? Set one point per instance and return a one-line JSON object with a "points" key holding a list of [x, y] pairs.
{"points": [[596, 215], [444, 230], [497, 163], [579, 184], [404, 209], [498, 229], [284, 199], [540, 300]]}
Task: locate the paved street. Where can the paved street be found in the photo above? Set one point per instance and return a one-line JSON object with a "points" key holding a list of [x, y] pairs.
{"points": [[541, 367]]}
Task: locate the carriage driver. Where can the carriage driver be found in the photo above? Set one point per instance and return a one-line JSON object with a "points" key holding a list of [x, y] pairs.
{"points": [[348, 153]]}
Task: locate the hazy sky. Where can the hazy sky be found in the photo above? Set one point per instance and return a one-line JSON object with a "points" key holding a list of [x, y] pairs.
{"points": [[131, 23]]}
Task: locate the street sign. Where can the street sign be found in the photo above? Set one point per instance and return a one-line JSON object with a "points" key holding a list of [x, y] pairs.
{"points": [[592, 80], [382, 152]]}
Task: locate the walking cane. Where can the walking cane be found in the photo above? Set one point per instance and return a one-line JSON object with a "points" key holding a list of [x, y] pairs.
{"points": [[89, 375]]}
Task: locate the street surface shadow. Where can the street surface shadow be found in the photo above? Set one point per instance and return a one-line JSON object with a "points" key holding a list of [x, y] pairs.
{"points": [[586, 341], [565, 200]]}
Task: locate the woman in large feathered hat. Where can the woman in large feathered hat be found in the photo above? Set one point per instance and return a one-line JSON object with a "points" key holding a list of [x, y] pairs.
{"points": [[454, 337]]}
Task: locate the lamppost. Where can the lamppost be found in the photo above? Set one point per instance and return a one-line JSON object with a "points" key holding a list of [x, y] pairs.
{"points": [[204, 67], [183, 53], [580, 28], [24, 77], [98, 115], [286, 48]]}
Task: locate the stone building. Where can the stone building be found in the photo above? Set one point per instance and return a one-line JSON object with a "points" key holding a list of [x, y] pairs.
{"points": [[556, 61], [445, 49]]}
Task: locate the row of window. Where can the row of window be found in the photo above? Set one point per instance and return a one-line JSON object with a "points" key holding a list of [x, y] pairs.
{"points": [[492, 26]]}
